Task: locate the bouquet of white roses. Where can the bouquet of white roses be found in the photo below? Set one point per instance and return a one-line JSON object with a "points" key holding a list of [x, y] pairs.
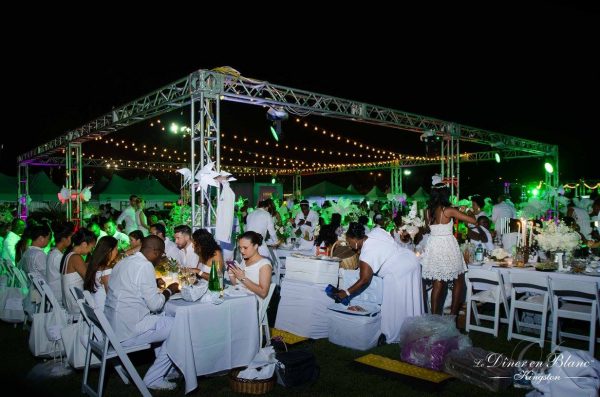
{"points": [[411, 223], [557, 237]]}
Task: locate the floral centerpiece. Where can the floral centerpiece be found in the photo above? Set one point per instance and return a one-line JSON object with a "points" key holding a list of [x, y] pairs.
{"points": [[167, 266], [554, 236], [283, 231], [411, 223]]}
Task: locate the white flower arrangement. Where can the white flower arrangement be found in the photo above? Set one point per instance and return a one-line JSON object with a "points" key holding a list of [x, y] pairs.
{"points": [[411, 223], [557, 237], [499, 253]]}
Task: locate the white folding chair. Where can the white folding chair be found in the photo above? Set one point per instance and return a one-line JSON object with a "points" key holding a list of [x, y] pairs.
{"points": [[105, 348], [485, 286], [276, 265], [537, 300], [263, 321], [576, 300]]}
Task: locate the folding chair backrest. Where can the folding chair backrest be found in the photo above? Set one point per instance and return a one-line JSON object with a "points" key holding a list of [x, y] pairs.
{"points": [[265, 304], [99, 321], [77, 293], [574, 290], [49, 294], [527, 282], [485, 279]]}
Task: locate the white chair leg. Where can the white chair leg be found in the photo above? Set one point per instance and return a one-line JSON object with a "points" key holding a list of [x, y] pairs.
{"points": [[496, 318], [122, 373], [511, 320], [468, 320], [554, 332]]}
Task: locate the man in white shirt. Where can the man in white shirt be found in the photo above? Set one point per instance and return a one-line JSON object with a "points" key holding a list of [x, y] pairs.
{"points": [[111, 230], [306, 220], [481, 233], [261, 222], [128, 216], [183, 239], [502, 210], [34, 258], [11, 240], [476, 210], [171, 249], [95, 228], [132, 298]]}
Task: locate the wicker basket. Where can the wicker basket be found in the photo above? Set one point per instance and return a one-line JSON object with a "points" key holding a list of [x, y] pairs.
{"points": [[248, 386]]}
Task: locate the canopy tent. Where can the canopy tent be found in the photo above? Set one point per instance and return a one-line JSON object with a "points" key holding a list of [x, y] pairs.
{"points": [[152, 190], [8, 188], [328, 190], [420, 195], [100, 185], [41, 188], [119, 189], [375, 193], [353, 190]]}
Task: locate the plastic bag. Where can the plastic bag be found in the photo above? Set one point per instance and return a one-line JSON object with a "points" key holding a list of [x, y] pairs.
{"points": [[426, 340]]}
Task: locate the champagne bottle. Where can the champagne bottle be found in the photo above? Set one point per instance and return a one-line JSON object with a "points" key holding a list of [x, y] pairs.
{"points": [[213, 279]]}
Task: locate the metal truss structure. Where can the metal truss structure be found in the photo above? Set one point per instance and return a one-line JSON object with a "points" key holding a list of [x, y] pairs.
{"points": [[207, 88]]}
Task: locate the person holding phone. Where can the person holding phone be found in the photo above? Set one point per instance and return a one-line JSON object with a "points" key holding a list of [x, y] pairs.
{"points": [[254, 273]]}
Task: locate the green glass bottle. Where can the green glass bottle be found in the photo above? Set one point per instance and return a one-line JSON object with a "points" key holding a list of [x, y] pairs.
{"points": [[213, 278]]}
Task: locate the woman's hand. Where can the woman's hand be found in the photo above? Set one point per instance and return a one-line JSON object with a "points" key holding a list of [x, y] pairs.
{"points": [[341, 294], [237, 272]]}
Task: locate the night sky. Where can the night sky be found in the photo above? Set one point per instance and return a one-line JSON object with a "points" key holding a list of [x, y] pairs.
{"points": [[529, 72]]}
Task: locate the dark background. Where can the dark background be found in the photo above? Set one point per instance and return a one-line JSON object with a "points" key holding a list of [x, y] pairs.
{"points": [[528, 70]]}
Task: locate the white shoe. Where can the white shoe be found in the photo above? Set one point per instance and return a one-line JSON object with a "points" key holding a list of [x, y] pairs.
{"points": [[172, 375], [162, 385]]}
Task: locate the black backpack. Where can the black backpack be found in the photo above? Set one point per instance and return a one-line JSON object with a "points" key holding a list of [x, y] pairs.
{"points": [[296, 367]]}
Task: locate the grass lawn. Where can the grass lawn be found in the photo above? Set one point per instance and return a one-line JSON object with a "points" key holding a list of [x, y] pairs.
{"points": [[340, 375]]}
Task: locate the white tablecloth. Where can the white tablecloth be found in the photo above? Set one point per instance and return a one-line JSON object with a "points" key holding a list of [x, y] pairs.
{"points": [[303, 309], [208, 338], [553, 275]]}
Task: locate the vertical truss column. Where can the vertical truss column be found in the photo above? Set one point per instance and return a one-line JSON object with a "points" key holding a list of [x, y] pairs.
{"points": [[297, 186], [450, 159], [206, 142], [23, 193], [74, 183], [396, 183]]}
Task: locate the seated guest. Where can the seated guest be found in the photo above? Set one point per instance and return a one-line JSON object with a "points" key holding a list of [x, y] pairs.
{"points": [[380, 256], [110, 227], [171, 250], [254, 273], [135, 242], [73, 267], [328, 244], [305, 221], [207, 249], [95, 228], [183, 239], [62, 239], [99, 269], [481, 233], [476, 210], [132, 298], [34, 259], [364, 220]]}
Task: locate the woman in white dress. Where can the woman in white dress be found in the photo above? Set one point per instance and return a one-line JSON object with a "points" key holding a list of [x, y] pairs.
{"points": [[99, 268], [140, 216], [380, 256], [254, 273], [62, 238], [442, 260], [73, 267]]}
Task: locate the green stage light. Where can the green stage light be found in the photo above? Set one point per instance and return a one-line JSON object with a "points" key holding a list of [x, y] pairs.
{"points": [[549, 168], [407, 172], [274, 133], [535, 192], [497, 157], [273, 181], [174, 128]]}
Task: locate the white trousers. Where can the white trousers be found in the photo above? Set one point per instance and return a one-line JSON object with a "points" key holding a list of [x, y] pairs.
{"points": [[159, 333]]}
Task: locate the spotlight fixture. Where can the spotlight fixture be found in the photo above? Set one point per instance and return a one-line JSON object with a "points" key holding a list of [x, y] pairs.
{"points": [[276, 116], [497, 157], [549, 167]]}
